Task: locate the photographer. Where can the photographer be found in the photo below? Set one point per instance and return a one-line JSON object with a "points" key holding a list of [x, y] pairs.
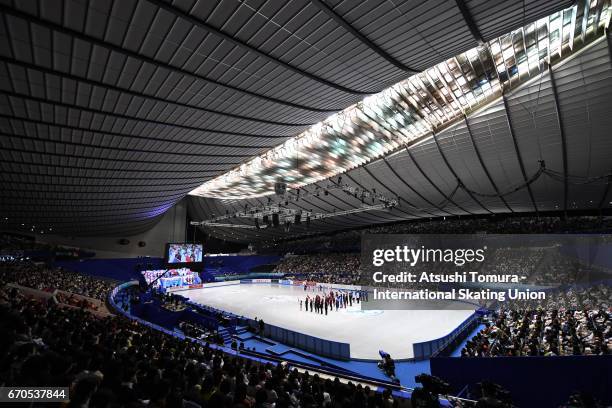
{"points": [[387, 365], [427, 396]]}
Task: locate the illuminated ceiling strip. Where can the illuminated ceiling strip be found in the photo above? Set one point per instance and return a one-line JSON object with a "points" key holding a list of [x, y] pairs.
{"points": [[414, 108]]}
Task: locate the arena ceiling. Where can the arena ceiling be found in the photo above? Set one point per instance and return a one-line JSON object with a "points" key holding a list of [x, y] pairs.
{"points": [[543, 146], [112, 111]]}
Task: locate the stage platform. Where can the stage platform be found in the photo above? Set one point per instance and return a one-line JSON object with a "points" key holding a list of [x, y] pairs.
{"points": [[394, 331]]}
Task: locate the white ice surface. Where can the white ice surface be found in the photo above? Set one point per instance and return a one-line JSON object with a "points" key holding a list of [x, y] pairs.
{"points": [[366, 331]]}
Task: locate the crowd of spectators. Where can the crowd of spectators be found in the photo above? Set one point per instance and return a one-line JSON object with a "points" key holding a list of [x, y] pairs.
{"points": [[542, 266], [572, 322], [41, 277], [113, 361], [116, 362], [556, 268], [78, 301], [332, 263], [505, 261], [348, 241], [337, 278], [339, 268]]}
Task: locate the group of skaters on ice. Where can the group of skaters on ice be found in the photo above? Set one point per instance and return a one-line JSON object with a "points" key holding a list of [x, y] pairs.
{"points": [[326, 301]]}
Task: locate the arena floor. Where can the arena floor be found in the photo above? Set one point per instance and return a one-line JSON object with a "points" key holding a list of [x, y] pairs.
{"points": [[366, 331]]}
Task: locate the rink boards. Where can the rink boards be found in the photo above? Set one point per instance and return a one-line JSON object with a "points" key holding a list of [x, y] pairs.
{"points": [[365, 331]]}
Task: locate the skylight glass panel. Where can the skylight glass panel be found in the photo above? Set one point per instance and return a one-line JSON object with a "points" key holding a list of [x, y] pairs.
{"points": [[414, 108]]}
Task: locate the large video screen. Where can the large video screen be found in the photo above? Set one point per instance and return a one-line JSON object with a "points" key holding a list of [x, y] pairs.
{"points": [[184, 253]]}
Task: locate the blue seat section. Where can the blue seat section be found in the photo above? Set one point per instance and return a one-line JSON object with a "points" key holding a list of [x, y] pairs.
{"points": [[150, 309], [120, 269], [599, 254]]}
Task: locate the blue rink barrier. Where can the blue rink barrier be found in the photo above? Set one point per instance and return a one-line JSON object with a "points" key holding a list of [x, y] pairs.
{"points": [[325, 348], [341, 351], [426, 349]]}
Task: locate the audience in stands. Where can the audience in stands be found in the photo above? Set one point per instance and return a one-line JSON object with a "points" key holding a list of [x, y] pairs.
{"points": [[117, 362], [542, 266], [349, 241], [77, 301], [36, 276], [319, 263], [576, 322], [114, 361]]}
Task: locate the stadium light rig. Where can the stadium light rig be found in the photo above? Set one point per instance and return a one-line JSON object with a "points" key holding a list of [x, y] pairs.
{"points": [[286, 216], [415, 108]]}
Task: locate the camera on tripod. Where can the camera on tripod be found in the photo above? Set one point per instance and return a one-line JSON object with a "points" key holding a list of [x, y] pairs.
{"points": [[427, 396]]}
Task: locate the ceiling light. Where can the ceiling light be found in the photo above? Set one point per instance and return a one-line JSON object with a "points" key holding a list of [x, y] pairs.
{"points": [[413, 108]]}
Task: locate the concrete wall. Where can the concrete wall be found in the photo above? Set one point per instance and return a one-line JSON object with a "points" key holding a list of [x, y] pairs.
{"points": [[170, 228]]}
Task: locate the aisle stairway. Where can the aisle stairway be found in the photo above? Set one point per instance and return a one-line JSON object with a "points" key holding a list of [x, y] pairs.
{"points": [[225, 333]]}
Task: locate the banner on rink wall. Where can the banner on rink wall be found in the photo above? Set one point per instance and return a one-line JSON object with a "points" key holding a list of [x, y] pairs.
{"points": [[261, 280], [204, 285]]}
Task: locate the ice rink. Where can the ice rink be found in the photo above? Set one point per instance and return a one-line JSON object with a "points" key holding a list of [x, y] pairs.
{"points": [[366, 331]]}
